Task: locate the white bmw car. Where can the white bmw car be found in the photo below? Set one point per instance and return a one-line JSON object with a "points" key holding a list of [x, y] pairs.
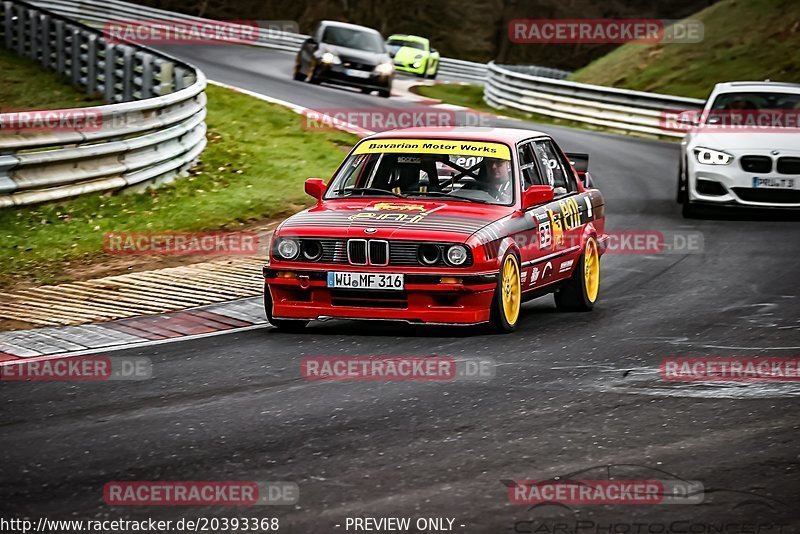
{"points": [[744, 149]]}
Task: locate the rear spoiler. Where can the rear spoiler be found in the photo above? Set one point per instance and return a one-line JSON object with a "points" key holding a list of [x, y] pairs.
{"points": [[579, 161], [581, 164]]}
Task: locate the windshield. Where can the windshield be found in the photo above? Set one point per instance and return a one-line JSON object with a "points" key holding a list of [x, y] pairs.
{"points": [[350, 38], [776, 110], [402, 42], [411, 168]]}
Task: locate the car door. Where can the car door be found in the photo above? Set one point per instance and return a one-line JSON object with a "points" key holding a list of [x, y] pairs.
{"points": [[534, 237], [562, 220]]}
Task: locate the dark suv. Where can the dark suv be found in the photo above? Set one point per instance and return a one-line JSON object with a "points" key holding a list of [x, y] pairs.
{"points": [[347, 54]]}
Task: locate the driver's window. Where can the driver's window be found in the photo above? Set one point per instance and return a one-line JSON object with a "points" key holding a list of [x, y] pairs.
{"points": [[527, 166], [552, 168]]}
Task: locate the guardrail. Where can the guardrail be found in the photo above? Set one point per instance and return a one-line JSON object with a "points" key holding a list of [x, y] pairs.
{"points": [[618, 109], [153, 130], [102, 11]]}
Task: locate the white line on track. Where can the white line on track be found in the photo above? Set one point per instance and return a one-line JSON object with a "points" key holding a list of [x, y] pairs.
{"points": [[136, 345]]}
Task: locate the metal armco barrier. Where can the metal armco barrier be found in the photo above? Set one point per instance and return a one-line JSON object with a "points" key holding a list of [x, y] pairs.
{"points": [[153, 129], [618, 109]]}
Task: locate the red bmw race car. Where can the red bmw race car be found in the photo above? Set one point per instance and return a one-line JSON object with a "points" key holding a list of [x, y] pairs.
{"points": [[440, 226]]}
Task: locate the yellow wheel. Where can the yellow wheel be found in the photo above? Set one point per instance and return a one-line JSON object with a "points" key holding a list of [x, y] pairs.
{"points": [[579, 293], [508, 296], [591, 270]]}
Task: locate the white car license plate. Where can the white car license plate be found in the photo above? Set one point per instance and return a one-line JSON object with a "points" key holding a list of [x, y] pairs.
{"points": [[382, 281], [357, 73], [774, 183]]}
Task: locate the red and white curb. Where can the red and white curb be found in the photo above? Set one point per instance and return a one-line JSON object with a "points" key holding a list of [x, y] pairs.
{"points": [[46, 343]]}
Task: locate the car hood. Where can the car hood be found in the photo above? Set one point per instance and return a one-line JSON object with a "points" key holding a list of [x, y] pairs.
{"points": [[356, 56], [394, 218], [750, 140]]}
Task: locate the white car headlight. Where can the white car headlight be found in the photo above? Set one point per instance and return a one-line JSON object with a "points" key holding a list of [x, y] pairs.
{"points": [[456, 255], [708, 156], [384, 69], [288, 249], [330, 58]]}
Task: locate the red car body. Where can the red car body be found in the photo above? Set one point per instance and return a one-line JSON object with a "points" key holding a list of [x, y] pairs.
{"points": [[546, 235]]}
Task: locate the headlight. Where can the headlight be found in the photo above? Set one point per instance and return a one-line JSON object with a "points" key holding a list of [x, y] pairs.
{"points": [[384, 69], [312, 250], [288, 249], [416, 64], [330, 59], [712, 157], [456, 255]]}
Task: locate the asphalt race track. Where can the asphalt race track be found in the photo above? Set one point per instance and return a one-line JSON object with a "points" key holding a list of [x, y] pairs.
{"points": [[571, 392]]}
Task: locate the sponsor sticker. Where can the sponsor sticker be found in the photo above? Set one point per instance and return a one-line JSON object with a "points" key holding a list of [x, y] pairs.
{"points": [[433, 146]]}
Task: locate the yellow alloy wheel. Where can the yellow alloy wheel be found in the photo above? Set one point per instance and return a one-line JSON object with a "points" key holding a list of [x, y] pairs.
{"points": [[591, 266], [511, 289]]}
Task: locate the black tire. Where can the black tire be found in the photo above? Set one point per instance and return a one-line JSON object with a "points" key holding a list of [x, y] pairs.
{"points": [[284, 325], [573, 294], [435, 73], [498, 320], [385, 93], [366, 90], [690, 211], [682, 196]]}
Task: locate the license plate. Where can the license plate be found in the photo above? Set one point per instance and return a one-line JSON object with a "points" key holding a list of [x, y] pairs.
{"points": [[357, 73], [774, 183], [382, 281]]}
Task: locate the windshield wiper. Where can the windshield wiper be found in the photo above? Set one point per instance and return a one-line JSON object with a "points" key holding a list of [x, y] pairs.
{"points": [[371, 190], [448, 195]]}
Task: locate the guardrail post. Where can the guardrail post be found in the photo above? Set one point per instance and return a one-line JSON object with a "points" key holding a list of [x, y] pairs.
{"points": [[146, 83], [46, 33], [127, 73], [21, 28], [165, 78], [8, 32], [91, 64], [75, 55], [59, 44], [110, 65], [180, 82]]}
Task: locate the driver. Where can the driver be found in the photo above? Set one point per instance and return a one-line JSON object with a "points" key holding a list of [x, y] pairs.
{"points": [[496, 180]]}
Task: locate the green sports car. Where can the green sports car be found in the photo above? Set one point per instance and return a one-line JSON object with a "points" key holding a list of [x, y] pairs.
{"points": [[413, 54]]}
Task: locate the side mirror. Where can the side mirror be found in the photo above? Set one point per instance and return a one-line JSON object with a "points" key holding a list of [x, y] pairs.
{"points": [[537, 194], [315, 187]]}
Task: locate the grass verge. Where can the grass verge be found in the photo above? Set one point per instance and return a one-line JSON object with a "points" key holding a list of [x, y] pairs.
{"points": [[25, 85], [254, 166], [743, 40]]}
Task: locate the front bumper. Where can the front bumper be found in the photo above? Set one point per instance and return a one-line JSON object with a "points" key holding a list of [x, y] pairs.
{"points": [[338, 74], [408, 67], [737, 187], [425, 299]]}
